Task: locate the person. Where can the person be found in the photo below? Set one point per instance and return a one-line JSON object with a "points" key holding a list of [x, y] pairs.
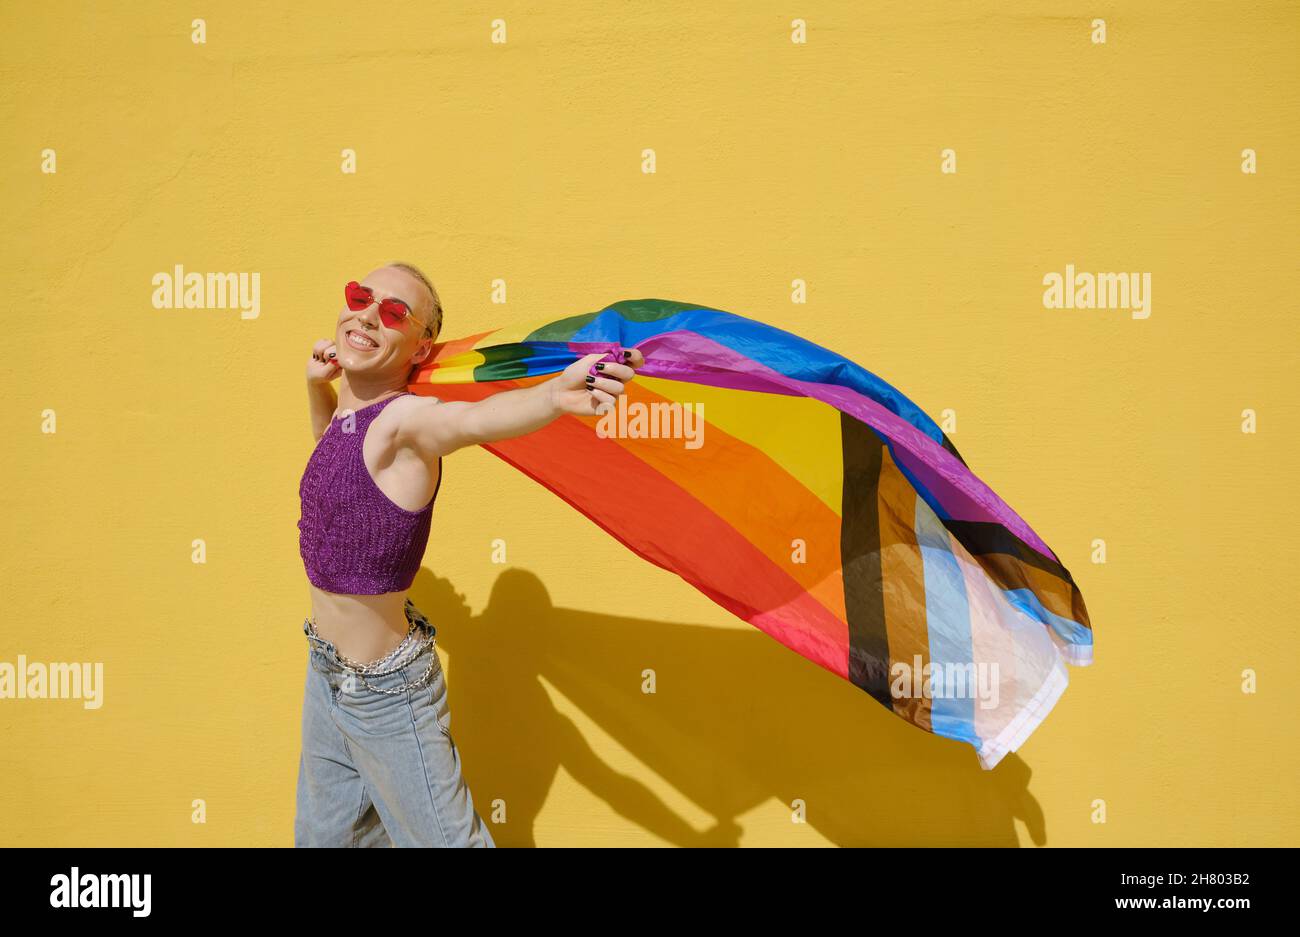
{"points": [[379, 766]]}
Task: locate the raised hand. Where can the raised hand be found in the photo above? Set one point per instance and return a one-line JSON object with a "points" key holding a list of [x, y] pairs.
{"points": [[323, 366]]}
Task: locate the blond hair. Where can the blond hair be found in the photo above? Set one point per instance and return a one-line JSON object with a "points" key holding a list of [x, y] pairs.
{"points": [[435, 325]]}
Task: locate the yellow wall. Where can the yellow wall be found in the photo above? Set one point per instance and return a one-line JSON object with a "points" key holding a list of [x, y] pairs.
{"points": [[775, 161]]}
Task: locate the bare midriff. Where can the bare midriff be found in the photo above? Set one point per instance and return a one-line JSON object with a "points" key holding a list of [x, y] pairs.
{"points": [[363, 628]]}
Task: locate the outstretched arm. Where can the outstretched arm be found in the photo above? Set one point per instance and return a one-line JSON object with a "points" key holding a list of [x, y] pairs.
{"points": [[441, 428]]}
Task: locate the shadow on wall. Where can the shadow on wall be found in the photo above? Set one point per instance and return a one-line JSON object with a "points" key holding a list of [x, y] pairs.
{"points": [[737, 719]]}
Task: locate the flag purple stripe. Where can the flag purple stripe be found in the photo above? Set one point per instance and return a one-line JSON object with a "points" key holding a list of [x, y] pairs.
{"points": [[688, 356]]}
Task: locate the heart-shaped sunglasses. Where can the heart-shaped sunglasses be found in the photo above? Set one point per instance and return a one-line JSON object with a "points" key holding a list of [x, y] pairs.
{"points": [[392, 310]]}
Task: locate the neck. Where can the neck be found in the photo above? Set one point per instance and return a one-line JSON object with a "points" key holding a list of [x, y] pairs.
{"points": [[357, 391]]}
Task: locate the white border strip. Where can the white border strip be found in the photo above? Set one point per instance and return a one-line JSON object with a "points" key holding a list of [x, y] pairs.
{"points": [[1027, 720]]}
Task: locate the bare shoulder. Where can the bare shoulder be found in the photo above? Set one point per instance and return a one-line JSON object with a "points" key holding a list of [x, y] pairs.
{"points": [[415, 403], [409, 411], [423, 423]]}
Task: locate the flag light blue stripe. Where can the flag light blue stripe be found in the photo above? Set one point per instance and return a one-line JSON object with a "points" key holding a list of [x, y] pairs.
{"points": [[947, 617]]}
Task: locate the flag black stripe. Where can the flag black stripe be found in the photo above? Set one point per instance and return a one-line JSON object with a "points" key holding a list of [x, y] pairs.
{"points": [[864, 598]]}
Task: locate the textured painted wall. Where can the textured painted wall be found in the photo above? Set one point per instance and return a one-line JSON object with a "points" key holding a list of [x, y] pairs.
{"points": [[775, 161]]}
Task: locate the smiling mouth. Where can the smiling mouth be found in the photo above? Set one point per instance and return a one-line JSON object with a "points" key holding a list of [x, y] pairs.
{"points": [[360, 341]]}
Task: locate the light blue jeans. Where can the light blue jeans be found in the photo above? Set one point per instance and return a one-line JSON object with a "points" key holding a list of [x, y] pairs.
{"points": [[381, 769]]}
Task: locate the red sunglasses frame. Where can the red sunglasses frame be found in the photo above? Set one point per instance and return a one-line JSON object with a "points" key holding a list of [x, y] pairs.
{"points": [[392, 310]]}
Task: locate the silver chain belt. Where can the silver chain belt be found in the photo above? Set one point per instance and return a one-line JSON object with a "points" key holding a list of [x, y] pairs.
{"points": [[377, 668]]}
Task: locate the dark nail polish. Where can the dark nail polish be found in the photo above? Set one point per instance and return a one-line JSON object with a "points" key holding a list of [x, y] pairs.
{"points": [[590, 379], [627, 355], [601, 366]]}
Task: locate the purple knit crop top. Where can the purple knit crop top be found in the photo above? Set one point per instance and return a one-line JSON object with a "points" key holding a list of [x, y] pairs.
{"points": [[353, 539]]}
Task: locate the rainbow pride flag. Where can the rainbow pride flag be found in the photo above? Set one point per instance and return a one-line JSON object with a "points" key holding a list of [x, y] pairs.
{"points": [[808, 497]]}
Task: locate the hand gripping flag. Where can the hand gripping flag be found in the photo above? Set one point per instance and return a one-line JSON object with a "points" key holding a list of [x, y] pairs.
{"points": [[808, 497]]}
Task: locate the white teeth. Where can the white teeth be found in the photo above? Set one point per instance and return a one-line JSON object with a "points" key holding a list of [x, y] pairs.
{"points": [[358, 340]]}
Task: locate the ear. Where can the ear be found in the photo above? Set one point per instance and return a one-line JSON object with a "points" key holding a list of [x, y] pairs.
{"points": [[422, 352]]}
